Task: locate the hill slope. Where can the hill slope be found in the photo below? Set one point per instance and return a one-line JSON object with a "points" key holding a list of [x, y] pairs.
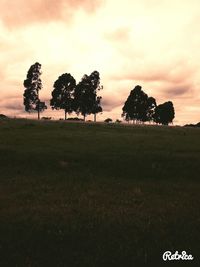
{"points": [[75, 194]]}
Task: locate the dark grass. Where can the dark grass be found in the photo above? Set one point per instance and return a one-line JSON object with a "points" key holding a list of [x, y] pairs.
{"points": [[75, 194]]}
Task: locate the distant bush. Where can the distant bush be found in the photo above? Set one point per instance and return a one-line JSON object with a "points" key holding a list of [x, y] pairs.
{"points": [[192, 125], [46, 118], [74, 119], [118, 121], [108, 120], [2, 116]]}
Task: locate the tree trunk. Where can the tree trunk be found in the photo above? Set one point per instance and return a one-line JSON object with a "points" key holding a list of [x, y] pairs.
{"points": [[65, 115], [38, 112], [84, 116], [95, 117], [38, 105]]}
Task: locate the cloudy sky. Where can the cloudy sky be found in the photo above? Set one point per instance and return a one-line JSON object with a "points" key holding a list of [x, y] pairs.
{"points": [[153, 43]]}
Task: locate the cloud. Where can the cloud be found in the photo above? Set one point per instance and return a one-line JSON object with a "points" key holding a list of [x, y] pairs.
{"points": [[111, 100], [120, 34], [12, 103], [179, 74], [108, 105], [22, 12], [147, 42], [12, 106], [2, 74], [177, 91]]}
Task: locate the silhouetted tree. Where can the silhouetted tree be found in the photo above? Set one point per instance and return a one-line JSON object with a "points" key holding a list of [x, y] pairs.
{"points": [[136, 105], [86, 100], [151, 106], [62, 95], [139, 106], [164, 113], [33, 85], [95, 87], [81, 97], [129, 108], [97, 106], [108, 120], [2, 117]]}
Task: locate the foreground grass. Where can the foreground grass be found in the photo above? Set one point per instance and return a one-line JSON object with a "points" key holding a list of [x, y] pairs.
{"points": [[74, 194]]}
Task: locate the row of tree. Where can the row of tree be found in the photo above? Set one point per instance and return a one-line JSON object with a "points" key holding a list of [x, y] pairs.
{"points": [[80, 98], [141, 108]]}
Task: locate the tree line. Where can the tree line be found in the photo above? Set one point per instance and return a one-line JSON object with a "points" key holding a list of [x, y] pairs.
{"points": [[82, 98], [139, 107]]}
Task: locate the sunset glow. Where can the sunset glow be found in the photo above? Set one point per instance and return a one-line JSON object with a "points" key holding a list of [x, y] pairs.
{"points": [[153, 43]]}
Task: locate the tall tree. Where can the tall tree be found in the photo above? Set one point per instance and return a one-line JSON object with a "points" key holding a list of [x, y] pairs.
{"points": [[135, 107], [62, 95], [164, 113], [139, 106], [82, 103], [151, 108], [95, 87], [33, 85], [86, 100], [97, 107]]}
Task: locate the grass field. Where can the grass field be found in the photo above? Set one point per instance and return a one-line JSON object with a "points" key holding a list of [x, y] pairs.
{"points": [[91, 195]]}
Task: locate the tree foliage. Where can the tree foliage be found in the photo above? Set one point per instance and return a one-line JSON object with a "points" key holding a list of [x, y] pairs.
{"points": [[63, 93], [108, 120], [33, 85], [151, 106], [95, 85], [164, 113], [139, 106], [83, 98], [86, 100]]}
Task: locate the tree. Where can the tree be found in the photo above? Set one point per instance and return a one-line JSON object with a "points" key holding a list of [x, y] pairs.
{"points": [[97, 106], [164, 113], [3, 117], [86, 100], [108, 120], [139, 106], [151, 108], [33, 85], [81, 97], [95, 87], [62, 95], [136, 105]]}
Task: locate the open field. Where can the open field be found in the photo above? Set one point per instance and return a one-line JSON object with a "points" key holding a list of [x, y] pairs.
{"points": [[90, 195]]}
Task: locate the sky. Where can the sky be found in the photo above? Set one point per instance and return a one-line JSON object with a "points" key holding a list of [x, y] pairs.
{"points": [[152, 43]]}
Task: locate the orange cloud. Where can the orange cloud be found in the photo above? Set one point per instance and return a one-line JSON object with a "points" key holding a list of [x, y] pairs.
{"points": [[174, 91], [22, 12], [111, 101], [147, 42], [120, 34], [11, 105], [177, 74]]}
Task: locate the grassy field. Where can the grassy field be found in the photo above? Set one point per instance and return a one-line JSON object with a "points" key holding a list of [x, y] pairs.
{"points": [[91, 195]]}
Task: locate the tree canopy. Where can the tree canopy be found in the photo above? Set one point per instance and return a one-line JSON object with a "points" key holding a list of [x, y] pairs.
{"points": [[33, 85], [164, 113], [83, 98], [63, 93], [139, 106], [86, 100]]}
